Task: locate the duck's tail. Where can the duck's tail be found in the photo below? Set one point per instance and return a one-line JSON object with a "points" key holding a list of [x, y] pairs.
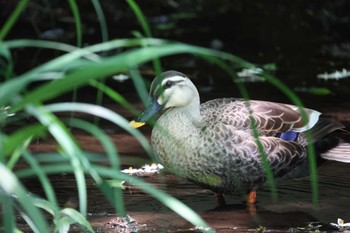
{"points": [[340, 153], [331, 140]]}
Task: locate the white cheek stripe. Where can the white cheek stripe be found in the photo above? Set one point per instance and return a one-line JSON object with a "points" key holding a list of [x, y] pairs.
{"points": [[175, 78]]}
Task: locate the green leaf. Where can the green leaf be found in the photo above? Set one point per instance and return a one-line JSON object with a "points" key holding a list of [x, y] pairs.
{"points": [[7, 207], [77, 218], [13, 18], [101, 19], [12, 142], [44, 204], [75, 9], [70, 148], [45, 182], [11, 186]]}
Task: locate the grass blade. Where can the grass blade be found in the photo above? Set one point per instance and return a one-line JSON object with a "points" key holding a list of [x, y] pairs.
{"points": [[13, 18], [140, 85], [19, 137], [113, 156], [178, 207], [147, 30], [8, 218], [104, 139], [75, 9], [70, 149], [44, 180], [114, 95], [140, 17], [101, 19], [11, 185], [310, 148], [77, 218], [105, 114], [44, 204], [171, 202]]}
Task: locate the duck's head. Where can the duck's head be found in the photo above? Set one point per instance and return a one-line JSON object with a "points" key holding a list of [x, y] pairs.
{"points": [[173, 89]]}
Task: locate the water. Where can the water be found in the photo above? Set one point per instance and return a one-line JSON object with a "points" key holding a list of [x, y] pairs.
{"points": [[293, 208]]}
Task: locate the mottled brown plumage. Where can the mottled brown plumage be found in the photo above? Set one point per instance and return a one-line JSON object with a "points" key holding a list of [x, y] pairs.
{"points": [[213, 144]]}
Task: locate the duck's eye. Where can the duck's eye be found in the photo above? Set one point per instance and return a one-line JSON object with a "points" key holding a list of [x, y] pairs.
{"points": [[168, 84]]}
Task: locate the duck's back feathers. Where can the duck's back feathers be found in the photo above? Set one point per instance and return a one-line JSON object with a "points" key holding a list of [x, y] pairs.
{"points": [[270, 118]]}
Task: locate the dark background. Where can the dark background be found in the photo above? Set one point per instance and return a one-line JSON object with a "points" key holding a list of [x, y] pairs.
{"points": [[302, 38]]}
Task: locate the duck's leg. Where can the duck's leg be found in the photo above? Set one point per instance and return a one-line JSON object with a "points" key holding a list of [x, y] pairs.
{"points": [[220, 199], [251, 198]]}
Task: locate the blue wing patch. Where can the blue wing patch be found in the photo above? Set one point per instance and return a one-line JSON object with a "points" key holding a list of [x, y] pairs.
{"points": [[289, 136]]}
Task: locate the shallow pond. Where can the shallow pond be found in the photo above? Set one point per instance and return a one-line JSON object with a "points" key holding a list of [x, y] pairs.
{"points": [[293, 211]]}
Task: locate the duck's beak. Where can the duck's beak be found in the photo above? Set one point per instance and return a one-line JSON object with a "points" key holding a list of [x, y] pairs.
{"points": [[152, 109]]}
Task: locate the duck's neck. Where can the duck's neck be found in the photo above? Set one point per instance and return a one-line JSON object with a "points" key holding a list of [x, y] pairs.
{"points": [[186, 116], [191, 111]]}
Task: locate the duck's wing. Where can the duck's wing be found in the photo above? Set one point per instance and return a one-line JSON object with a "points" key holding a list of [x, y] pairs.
{"points": [[228, 121], [269, 118], [283, 156], [272, 120]]}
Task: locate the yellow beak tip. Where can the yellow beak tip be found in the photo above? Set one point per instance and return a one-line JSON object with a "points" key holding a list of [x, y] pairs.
{"points": [[136, 124]]}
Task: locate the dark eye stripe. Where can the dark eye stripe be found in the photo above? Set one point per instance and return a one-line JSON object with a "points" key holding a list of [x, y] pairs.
{"points": [[170, 83], [157, 89]]}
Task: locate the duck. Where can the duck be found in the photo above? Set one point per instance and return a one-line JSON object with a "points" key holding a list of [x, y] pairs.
{"points": [[219, 144]]}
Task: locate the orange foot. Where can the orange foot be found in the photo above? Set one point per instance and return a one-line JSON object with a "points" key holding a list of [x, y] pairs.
{"points": [[251, 197], [220, 199]]}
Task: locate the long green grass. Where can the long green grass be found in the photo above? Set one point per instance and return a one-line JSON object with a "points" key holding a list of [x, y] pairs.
{"points": [[87, 66]]}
